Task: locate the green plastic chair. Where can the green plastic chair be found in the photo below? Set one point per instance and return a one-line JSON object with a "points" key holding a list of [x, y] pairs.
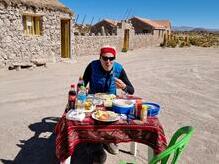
{"points": [[124, 162], [176, 146]]}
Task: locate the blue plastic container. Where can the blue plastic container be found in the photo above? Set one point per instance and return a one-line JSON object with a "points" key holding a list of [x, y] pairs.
{"points": [[122, 109], [153, 109]]}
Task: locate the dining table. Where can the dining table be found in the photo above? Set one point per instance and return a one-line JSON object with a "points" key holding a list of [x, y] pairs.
{"points": [[69, 133]]}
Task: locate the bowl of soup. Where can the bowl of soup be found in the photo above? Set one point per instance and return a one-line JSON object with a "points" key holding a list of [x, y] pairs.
{"points": [[123, 106]]}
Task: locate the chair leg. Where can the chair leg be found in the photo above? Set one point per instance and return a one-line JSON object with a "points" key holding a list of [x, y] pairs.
{"points": [[133, 148], [150, 153]]}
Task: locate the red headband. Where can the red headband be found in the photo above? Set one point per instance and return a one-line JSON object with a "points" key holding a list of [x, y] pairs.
{"points": [[108, 50]]}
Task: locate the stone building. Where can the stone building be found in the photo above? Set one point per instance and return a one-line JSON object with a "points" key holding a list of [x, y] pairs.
{"points": [[166, 24], [147, 26], [106, 26], [34, 31]]}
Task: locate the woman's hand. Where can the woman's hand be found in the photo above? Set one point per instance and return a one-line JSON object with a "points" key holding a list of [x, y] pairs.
{"points": [[120, 84]]}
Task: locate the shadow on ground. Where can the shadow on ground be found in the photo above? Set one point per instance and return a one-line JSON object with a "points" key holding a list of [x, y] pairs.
{"points": [[39, 149]]}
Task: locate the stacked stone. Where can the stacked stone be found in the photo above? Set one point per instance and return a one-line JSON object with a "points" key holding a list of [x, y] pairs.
{"points": [[17, 48]]}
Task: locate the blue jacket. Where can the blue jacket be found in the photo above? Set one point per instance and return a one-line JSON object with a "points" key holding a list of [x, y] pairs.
{"points": [[101, 81]]}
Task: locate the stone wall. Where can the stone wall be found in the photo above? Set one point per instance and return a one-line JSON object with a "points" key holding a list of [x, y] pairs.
{"points": [[90, 45], [17, 47], [144, 40]]}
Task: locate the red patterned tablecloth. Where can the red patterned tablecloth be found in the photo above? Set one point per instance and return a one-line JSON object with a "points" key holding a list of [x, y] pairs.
{"points": [[70, 133]]}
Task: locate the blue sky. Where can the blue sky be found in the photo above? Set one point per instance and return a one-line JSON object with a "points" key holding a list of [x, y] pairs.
{"points": [[194, 13]]}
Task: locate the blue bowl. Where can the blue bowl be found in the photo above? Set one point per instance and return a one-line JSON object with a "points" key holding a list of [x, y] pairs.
{"points": [[118, 106], [153, 109], [123, 110]]}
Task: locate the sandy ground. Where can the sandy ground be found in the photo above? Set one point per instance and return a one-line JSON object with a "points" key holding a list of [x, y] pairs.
{"points": [[185, 82]]}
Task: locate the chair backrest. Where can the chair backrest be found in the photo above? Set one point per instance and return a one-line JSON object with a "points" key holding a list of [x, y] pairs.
{"points": [[176, 146]]}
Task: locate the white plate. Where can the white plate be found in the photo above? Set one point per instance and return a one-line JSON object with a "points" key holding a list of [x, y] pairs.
{"points": [[75, 115], [113, 117]]}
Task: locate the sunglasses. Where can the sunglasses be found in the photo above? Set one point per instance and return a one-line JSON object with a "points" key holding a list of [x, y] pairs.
{"points": [[105, 58]]}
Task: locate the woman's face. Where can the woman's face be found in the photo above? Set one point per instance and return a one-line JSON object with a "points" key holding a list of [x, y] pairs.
{"points": [[107, 60]]}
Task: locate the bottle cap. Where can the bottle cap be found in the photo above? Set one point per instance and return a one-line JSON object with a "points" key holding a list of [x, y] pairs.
{"points": [[82, 87]]}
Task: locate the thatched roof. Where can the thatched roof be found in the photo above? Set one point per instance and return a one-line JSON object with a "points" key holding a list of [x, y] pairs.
{"points": [[165, 23], [111, 22], [149, 22], [49, 4]]}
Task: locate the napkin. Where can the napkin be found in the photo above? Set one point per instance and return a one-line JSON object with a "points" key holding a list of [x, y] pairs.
{"points": [[75, 115]]}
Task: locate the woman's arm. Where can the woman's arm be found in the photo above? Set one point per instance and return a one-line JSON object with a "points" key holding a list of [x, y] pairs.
{"points": [[87, 75], [128, 88]]}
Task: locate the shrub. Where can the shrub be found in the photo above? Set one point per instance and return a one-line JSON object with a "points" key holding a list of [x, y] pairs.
{"points": [[171, 43], [184, 44], [202, 39]]}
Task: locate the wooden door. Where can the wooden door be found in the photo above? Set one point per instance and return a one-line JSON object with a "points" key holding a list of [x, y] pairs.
{"points": [[126, 40], [65, 38]]}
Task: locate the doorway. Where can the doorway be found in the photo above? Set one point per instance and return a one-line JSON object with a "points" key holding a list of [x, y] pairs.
{"points": [[126, 41], [65, 38]]}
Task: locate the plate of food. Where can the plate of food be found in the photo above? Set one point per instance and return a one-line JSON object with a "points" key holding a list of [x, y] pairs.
{"points": [[106, 98], [105, 116]]}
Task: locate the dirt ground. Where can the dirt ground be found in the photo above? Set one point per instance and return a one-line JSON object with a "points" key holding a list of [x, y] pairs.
{"points": [[184, 81]]}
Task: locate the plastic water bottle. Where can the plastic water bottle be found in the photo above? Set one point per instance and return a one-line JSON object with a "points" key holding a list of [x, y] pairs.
{"points": [[81, 97], [82, 94]]}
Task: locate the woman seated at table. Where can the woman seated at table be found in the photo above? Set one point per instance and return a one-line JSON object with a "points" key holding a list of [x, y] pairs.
{"points": [[104, 76]]}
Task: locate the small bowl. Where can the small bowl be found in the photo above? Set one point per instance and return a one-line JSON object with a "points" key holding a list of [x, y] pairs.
{"points": [[123, 106], [153, 109]]}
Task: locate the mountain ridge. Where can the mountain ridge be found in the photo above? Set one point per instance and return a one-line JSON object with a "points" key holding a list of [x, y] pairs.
{"points": [[188, 28]]}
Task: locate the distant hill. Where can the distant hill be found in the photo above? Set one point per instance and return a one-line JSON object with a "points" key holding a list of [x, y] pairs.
{"points": [[187, 28], [182, 28], [199, 29]]}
